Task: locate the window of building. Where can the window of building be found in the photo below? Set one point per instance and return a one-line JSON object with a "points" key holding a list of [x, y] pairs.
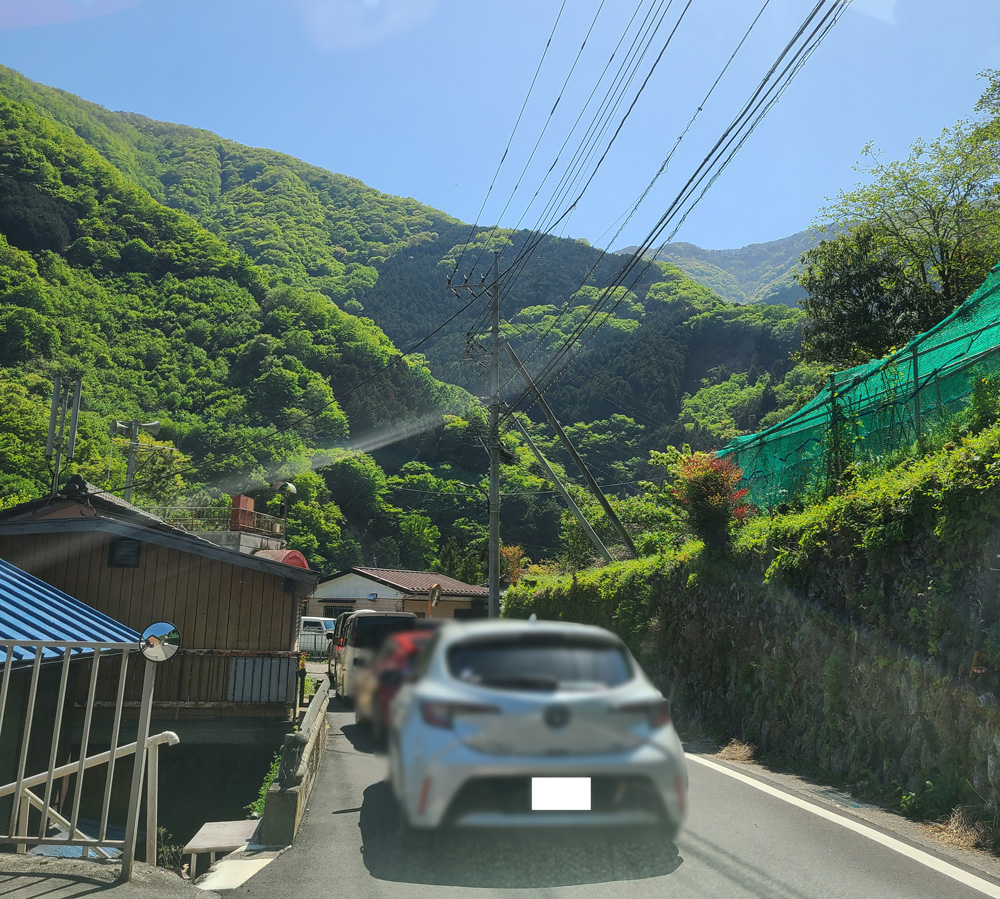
{"points": [[123, 552], [333, 611]]}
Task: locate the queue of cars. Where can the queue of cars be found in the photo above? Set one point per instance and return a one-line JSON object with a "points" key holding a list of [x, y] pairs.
{"points": [[513, 724], [378, 685]]}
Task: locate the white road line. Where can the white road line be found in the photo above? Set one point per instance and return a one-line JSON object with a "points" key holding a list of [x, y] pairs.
{"points": [[918, 855]]}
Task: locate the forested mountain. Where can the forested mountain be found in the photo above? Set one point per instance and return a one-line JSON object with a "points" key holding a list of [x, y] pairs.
{"points": [[251, 302], [251, 377], [757, 273]]}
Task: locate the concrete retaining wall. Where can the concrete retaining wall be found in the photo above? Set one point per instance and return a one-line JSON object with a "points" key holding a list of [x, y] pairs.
{"points": [[300, 757]]}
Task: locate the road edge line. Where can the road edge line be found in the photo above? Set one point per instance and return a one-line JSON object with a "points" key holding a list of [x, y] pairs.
{"points": [[948, 869]]}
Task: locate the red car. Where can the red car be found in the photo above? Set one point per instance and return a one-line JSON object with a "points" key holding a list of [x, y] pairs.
{"points": [[377, 686]]}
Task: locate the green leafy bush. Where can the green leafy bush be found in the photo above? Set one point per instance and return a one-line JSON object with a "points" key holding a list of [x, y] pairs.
{"points": [[256, 808], [707, 489]]}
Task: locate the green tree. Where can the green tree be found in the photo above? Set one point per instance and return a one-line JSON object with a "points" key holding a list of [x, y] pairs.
{"points": [[385, 553], [22, 443], [929, 223], [465, 566], [418, 542], [860, 299], [314, 530], [25, 335], [357, 484]]}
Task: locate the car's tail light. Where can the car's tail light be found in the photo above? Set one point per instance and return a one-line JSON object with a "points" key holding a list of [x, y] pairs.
{"points": [[658, 711], [442, 714]]}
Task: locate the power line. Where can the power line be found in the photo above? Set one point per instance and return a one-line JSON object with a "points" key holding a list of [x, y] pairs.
{"points": [[660, 172], [582, 110], [510, 139], [569, 186], [753, 111], [666, 162], [606, 112], [602, 121]]}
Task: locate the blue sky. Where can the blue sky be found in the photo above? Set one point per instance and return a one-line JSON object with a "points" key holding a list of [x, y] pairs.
{"points": [[419, 97]]}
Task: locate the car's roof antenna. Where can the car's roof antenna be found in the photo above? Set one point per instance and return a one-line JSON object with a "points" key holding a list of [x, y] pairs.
{"points": [[533, 617]]}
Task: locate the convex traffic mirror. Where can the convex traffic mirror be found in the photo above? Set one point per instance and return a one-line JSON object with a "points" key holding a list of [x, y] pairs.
{"points": [[160, 641]]}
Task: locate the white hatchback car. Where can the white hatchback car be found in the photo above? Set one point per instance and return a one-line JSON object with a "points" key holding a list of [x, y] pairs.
{"points": [[529, 723]]}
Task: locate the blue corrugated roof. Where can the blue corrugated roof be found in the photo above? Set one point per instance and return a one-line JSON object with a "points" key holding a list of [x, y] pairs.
{"points": [[30, 609]]}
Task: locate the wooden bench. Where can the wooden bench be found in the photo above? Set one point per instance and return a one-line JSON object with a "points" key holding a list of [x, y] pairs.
{"points": [[218, 836]]}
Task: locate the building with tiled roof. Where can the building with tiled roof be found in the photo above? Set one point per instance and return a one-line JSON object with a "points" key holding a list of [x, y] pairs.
{"points": [[394, 589]]}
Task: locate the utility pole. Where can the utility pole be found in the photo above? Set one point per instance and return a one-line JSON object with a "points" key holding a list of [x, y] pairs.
{"points": [[64, 391], [492, 292], [494, 440], [131, 428]]}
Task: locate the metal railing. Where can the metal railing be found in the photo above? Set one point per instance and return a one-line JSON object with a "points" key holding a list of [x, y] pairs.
{"points": [[212, 518], [41, 743]]}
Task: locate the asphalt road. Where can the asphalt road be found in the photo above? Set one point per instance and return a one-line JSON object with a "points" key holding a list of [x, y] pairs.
{"points": [[743, 838]]}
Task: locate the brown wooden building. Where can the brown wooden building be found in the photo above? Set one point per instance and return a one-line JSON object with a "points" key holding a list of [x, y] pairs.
{"points": [[237, 612]]}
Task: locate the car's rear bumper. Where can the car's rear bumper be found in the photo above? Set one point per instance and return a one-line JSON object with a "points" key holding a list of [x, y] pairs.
{"points": [[645, 787], [631, 818]]}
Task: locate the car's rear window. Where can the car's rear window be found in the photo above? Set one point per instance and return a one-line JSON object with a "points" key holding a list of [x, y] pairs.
{"points": [[540, 663], [371, 631]]}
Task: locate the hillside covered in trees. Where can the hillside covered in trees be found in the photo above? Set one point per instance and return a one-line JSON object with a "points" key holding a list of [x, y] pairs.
{"points": [[259, 307], [757, 273]]}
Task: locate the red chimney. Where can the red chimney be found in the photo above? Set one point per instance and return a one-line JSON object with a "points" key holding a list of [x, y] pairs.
{"points": [[241, 518]]}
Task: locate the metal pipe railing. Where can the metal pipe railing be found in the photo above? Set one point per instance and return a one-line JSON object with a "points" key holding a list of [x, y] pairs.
{"points": [[30, 659]]}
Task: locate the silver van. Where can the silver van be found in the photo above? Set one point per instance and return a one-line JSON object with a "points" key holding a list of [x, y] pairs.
{"points": [[361, 636]]}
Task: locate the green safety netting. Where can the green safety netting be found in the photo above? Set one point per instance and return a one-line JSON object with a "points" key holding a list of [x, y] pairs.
{"points": [[870, 410]]}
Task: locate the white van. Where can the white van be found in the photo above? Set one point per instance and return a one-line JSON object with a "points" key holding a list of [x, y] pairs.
{"points": [[312, 635], [361, 636], [336, 647]]}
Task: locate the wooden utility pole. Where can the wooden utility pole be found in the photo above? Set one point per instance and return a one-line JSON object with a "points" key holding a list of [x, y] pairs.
{"points": [[494, 441], [492, 292]]}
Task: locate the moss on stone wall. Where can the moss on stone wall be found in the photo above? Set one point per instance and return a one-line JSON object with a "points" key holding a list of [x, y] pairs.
{"points": [[842, 635]]}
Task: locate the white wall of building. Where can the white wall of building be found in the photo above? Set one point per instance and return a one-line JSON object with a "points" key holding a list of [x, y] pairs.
{"points": [[353, 591], [354, 586]]}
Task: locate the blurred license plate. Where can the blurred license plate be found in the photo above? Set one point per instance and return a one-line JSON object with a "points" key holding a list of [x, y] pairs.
{"points": [[560, 794]]}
